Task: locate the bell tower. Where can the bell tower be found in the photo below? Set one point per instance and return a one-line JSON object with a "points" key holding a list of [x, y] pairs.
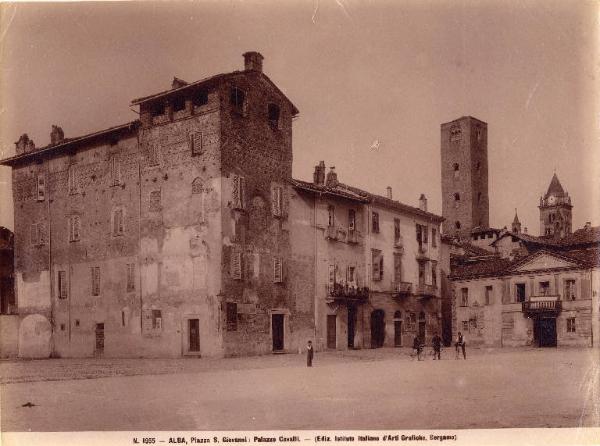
{"points": [[465, 202], [555, 210]]}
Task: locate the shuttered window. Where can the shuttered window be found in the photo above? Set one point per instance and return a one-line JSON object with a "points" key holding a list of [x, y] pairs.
{"points": [[130, 276], [236, 264], [196, 143], [154, 155], [377, 264], [95, 280], [155, 201], [331, 282], [375, 222], [73, 184], [115, 171], [239, 192], [62, 285], [33, 234], [351, 220], [397, 268], [118, 222], [276, 201], [41, 187], [74, 228], [277, 270]]}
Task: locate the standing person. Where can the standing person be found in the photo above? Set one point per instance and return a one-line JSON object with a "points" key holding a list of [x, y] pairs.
{"points": [[460, 342], [436, 342], [309, 354], [418, 346]]}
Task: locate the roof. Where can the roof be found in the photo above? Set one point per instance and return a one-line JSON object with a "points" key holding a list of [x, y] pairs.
{"points": [[516, 219], [496, 267], [206, 81], [585, 236], [67, 143], [479, 230], [362, 196], [555, 187]]}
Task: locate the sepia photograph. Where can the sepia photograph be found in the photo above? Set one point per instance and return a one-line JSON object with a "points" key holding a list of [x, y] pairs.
{"points": [[311, 221]]}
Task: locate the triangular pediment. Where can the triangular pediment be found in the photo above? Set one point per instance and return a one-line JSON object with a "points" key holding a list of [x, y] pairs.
{"points": [[544, 261]]}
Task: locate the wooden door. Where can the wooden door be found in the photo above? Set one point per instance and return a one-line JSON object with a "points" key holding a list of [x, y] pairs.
{"points": [[398, 333], [194, 335], [331, 331], [277, 327], [99, 350]]}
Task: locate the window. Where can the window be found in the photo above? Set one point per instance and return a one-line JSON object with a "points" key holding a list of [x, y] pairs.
{"points": [[77, 322], [231, 316], [197, 186], [397, 233], [375, 222], [155, 201], [37, 234], [570, 325], [434, 237], [351, 220], [350, 274], [478, 197], [473, 323], [421, 273], [236, 263], [237, 99], [157, 109], [41, 187], [179, 103], [456, 170], [456, 196], [130, 276], [200, 98], [544, 288], [570, 289], [239, 192], [434, 274], [118, 222], [95, 280], [464, 297], [488, 295], [377, 264], [465, 326], [331, 280], [154, 155], [457, 224], [330, 216], [73, 184], [273, 112], [196, 143], [520, 292], [397, 268], [156, 320], [74, 228], [62, 285], [422, 233], [122, 318], [277, 270], [277, 201], [115, 171]]}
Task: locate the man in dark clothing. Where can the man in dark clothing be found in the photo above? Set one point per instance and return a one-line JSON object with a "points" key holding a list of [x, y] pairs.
{"points": [[436, 342], [418, 346], [460, 342], [309, 354]]}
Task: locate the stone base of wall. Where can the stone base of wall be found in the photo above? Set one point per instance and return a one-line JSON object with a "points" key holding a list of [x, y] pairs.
{"points": [[9, 336]]}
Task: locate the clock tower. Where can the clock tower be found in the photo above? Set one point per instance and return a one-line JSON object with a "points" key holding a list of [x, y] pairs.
{"points": [[555, 210]]}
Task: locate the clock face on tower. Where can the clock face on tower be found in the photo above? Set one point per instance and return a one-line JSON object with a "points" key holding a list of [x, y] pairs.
{"points": [[551, 199]]}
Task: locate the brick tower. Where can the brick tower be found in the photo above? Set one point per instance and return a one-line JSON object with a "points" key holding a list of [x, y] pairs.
{"points": [[465, 202]]}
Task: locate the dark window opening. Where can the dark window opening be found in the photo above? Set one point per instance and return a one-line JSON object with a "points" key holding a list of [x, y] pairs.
{"points": [[456, 196], [375, 222], [157, 109], [520, 288], [77, 322], [200, 98], [237, 98], [179, 103], [457, 225]]}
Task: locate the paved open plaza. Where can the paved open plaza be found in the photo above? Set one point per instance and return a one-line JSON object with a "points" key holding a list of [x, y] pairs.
{"points": [[368, 389]]}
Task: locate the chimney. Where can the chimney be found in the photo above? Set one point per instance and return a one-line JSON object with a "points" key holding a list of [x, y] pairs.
{"points": [[423, 202], [319, 174], [253, 61], [56, 135], [24, 144], [388, 192], [332, 179], [178, 83]]}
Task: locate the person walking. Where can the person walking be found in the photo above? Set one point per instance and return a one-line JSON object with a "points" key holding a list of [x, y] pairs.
{"points": [[436, 343], [309, 354], [418, 347], [460, 342]]}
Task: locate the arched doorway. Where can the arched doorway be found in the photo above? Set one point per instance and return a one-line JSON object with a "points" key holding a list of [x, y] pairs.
{"points": [[377, 328], [422, 325], [398, 329]]}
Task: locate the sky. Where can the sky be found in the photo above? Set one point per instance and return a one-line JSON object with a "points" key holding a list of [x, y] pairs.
{"points": [[358, 71]]}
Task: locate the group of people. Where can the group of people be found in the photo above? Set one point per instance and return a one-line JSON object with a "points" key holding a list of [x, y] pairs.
{"points": [[418, 347], [436, 344]]}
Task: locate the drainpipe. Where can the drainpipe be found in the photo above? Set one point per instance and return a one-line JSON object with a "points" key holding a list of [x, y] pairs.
{"points": [[139, 262]]}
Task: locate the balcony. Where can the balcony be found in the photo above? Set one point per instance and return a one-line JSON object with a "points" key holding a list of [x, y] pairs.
{"points": [[347, 292], [401, 289], [423, 253], [352, 236], [426, 291], [331, 233], [542, 304]]}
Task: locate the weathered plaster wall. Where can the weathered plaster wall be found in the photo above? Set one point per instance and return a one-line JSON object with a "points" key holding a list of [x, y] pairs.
{"points": [[9, 335]]}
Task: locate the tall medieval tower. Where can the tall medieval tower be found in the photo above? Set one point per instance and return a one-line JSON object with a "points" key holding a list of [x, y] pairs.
{"points": [[555, 210], [465, 202]]}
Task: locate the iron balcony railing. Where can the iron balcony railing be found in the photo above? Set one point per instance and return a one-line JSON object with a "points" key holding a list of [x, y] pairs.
{"points": [[400, 289], [341, 291], [425, 290], [542, 306]]}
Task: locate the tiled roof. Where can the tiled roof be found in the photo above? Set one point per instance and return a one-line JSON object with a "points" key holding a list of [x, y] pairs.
{"points": [[582, 236], [66, 143], [354, 193], [484, 268]]}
